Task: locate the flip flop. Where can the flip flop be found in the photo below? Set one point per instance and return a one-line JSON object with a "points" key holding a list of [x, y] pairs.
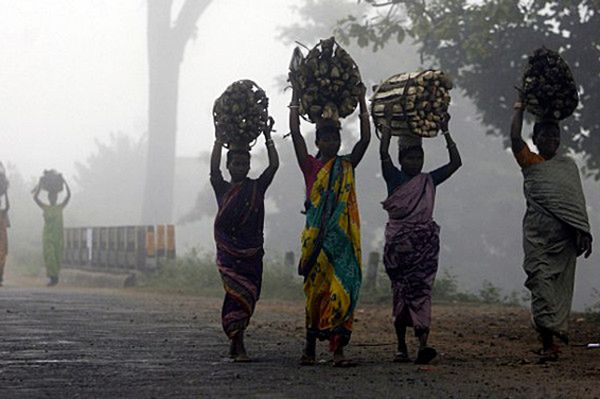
{"points": [[425, 355], [242, 359], [550, 355], [344, 363], [401, 357], [306, 360]]}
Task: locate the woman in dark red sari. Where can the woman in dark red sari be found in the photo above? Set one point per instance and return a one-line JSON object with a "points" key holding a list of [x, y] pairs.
{"points": [[239, 236], [412, 238]]}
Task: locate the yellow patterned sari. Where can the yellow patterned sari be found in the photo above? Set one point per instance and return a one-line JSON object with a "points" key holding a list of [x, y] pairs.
{"points": [[331, 255]]}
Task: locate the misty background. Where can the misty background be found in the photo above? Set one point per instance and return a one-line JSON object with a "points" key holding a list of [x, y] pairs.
{"points": [[96, 89]]}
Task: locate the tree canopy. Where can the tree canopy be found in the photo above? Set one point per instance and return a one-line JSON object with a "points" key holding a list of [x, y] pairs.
{"points": [[485, 45]]}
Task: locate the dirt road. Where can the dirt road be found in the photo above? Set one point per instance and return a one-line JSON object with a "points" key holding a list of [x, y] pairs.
{"points": [[67, 343]]}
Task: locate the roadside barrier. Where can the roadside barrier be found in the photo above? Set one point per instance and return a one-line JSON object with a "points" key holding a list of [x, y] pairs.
{"points": [[119, 248]]}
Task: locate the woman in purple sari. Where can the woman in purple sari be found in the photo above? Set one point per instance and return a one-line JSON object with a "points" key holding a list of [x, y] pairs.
{"points": [[239, 236], [412, 238]]}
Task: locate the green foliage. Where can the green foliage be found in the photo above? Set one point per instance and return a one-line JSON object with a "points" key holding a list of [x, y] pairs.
{"points": [[196, 274], [484, 43], [593, 311], [489, 293], [446, 289], [192, 274]]}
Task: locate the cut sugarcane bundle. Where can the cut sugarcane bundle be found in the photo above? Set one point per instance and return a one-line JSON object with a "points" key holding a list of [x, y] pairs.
{"points": [[412, 103], [328, 81], [241, 113], [549, 90]]}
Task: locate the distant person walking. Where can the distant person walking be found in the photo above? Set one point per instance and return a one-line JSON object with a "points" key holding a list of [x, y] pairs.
{"points": [[239, 237], [412, 237], [331, 251], [4, 221], [53, 240], [555, 228]]}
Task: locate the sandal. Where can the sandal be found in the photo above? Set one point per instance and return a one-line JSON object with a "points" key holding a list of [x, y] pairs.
{"points": [[307, 360], [344, 363], [548, 355], [425, 355], [401, 357], [242, 359]]}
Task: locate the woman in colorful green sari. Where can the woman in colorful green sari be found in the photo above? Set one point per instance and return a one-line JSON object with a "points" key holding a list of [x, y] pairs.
{"points": [[331, 255], [53, 241]]}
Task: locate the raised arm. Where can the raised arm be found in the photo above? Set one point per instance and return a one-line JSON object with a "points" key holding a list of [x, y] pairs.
{"points": [[441, 174], [365, 130], [215, 157], [516, 126], [68, 197], [269, 172], [7, 204], [384, 144], [297, 139], [36, 194]]}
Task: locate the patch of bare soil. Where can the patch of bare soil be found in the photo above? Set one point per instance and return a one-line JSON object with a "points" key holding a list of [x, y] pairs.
{"points": [[67, 342]]}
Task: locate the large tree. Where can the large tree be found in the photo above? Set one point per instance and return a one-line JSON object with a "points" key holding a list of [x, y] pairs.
{"points": [[167, 40], [109, 184], [479, 208], [484, 46]]}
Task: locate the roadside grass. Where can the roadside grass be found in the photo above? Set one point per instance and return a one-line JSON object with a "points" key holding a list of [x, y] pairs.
{"points": [[25, 260], [195, 273], [592, 312]]}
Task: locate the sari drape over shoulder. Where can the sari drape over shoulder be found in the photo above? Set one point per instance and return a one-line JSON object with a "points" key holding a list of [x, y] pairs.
{"points": [[555, 211], [331, 253], [411, 250], [238, 233]]}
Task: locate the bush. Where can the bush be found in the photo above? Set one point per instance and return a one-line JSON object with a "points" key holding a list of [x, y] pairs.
{"points": [[593, 311], [197, 274]]}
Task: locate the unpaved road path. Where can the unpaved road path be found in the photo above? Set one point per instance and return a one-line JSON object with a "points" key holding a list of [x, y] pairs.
{"points": [[70, 343]]}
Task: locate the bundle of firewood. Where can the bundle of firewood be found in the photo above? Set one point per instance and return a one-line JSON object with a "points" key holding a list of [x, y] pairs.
{"points": [[52, 181], [241, 113], [549, 90], [412, 103], [328, 81]]}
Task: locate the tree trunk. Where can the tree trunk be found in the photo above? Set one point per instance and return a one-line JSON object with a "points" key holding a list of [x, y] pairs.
{"points": [[166, 44]]}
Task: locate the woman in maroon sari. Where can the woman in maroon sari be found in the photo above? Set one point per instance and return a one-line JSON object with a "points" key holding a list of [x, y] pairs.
{"points": [[412, 238], [239, 236]]}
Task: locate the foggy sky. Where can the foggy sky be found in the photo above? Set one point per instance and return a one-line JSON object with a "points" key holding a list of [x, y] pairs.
{"points": [[74, 71]]}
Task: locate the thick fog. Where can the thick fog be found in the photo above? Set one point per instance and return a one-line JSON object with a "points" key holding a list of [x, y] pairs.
{"points": [[75, 97]]}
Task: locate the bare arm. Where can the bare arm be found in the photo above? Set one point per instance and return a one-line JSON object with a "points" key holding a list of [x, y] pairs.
{"points": [[442, 174], [7, 205], [215, 156], [384, 144], [297, 139], [516, 127], [68, 197], [365, 131], [36, 195], [269, 172]]}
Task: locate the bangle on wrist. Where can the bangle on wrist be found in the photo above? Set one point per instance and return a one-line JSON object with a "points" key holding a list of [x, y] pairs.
{"points": [[519, 106]]}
